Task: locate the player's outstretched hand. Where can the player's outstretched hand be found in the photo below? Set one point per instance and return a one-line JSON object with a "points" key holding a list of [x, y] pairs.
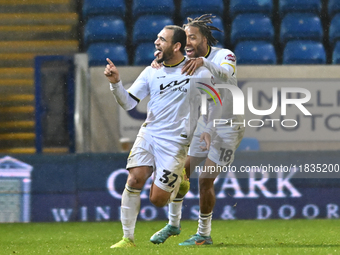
{"points": [[191, 65], [156, 65], [111, 72], [207, 138]]}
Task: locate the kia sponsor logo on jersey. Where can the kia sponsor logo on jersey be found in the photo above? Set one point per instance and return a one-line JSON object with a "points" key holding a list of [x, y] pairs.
{"points": [[171, 84]]}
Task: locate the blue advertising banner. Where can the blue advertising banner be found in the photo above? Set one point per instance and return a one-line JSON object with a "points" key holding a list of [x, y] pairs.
{"points": [[88, 187]]}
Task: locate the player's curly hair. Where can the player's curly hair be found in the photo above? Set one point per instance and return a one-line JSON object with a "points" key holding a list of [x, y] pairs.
{"points": [[202, 24]]}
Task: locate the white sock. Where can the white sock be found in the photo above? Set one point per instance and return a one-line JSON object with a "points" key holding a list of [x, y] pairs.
{"points": [[175, 212], [129, 210], [204, 224]]}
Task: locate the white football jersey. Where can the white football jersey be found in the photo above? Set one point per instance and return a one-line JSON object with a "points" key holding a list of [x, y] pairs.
{"points": [[226, 59], [226, 137], [222, 57], [173, 109]]}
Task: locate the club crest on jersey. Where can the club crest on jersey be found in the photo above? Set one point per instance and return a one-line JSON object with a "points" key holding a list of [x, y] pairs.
{"points": [[230, 57], [171, 84]]}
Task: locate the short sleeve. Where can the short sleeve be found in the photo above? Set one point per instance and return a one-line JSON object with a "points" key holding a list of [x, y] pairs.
{"points": [[227, 59]]}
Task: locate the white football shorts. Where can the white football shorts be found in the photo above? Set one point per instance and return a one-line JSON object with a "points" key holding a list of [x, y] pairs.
{"points": [[223, 143], [166, 157]]}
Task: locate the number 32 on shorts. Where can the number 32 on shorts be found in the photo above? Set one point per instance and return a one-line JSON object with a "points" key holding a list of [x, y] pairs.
{"points": [[166, 178], [225, 154]]}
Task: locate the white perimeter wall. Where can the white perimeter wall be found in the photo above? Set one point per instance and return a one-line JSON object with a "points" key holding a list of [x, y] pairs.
{"points": [[108, 122]]}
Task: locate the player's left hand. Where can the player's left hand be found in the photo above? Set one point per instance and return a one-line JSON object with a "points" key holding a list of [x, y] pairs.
{"points": [[191, 65], [207, 138]]}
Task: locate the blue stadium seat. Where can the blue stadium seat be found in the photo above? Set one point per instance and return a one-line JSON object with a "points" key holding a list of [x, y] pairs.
{"points": [[147, 28], [264, 7], [308, 6], [152, 7], [105, 29], [194, 8], [255, 53], [218, 45], [144, 54], [304, 53], [103, 7], [217, 22], [333, 7], [249, 144], [336, 54], [98, 52], [301, 26], [247, 27], [334, 30]]}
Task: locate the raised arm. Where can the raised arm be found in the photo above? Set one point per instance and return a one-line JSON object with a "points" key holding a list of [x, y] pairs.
{"points": [[124, 98]]}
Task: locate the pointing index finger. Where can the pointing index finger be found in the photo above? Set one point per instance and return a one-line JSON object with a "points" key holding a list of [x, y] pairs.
{"points": [[109, 61]]}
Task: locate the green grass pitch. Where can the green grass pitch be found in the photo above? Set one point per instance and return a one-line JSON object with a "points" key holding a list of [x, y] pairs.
{"points": [[230, 237]]}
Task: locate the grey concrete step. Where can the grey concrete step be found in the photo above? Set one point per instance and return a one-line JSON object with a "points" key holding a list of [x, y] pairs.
{"points": [[22, 6], [17, 113], [17, 19], [31, 150], [51, 47], [18, 150], [22, 125], [17, 73], [37, 32], [16, 86], [8, 100], [10, 140], [18, 59]]}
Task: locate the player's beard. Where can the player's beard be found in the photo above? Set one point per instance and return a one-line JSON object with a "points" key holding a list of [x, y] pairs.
{"points": [[167, 54], [198, 51]]}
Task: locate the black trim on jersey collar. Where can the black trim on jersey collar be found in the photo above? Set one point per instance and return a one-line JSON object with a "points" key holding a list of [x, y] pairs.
{"points": [[209, 51], [174, 64]]}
